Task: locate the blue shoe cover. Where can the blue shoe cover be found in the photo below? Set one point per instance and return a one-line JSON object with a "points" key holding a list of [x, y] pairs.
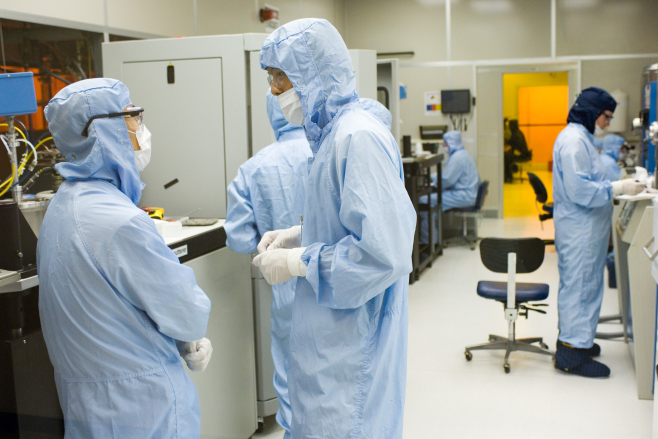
{"points": [[577, 361]]}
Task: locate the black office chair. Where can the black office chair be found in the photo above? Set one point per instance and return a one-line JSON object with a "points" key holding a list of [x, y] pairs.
{"points": [[474, 212], [512, 256], [542, 197]]}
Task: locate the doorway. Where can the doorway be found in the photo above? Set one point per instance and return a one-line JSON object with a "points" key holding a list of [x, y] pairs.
{"points": [[490, 130], [535, 108]]}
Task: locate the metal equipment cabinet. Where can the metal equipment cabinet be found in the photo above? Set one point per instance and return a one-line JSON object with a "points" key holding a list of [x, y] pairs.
{"points": [[417, 180], [227, 388]]}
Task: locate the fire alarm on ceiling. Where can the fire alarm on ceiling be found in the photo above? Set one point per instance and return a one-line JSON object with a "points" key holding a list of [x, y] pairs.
{"points": [[270, 16]]}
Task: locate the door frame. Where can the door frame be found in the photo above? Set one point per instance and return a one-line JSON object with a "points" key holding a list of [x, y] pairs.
{"points": [[489, 88]]}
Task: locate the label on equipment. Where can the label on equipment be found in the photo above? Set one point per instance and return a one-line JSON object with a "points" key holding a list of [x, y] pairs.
{"points": [[180, 251]]}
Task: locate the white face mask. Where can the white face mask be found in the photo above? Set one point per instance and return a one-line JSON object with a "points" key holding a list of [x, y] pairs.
{"points": [[291, 107], [598, 130], [446, 150], [143, 156]]}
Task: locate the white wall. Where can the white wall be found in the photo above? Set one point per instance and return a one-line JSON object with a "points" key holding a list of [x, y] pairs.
{"points": [[503, 32], [166, 18], [241, 16]]}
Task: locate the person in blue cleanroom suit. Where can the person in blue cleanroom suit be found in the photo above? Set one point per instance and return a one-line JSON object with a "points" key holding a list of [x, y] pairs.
{"points": [[459, 180], [377, 109], [348, 341], [582, 197], [268, 194], [612, 144], [117, 308]]}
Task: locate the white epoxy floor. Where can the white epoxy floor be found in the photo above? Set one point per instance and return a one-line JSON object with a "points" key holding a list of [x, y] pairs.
{"points": [[448, 397]]}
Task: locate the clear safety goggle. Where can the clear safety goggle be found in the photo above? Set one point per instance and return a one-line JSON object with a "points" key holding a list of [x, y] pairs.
{"points": [[276, 77], [131, 112], [139, 118]]}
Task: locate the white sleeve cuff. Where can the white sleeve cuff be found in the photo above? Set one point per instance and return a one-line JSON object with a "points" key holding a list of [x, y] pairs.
{"points": [[617, 187], [295, 264]]}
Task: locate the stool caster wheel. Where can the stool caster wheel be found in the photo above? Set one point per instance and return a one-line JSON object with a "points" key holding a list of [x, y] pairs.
{"points": [[468, 356], [473, 247], [507, 368], [543, 345]]}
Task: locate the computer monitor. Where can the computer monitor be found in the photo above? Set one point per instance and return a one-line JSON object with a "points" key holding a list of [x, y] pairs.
{"points": [[455, 101]]}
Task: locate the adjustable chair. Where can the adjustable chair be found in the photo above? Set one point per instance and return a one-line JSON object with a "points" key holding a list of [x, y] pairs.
{"points": [[512, 256], [474, 212], [541, 197]]}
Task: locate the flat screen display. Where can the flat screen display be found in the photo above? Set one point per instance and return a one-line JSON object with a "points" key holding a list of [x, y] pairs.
{"points": [[455, 101]]}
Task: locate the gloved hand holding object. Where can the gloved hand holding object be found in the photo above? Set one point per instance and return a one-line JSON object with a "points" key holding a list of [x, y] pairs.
{"points": [[280, 265], [627, 186], [285, 238], [195, 353]]}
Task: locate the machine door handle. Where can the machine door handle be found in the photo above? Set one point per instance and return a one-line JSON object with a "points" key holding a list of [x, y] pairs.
{"points": [[648, 253]]}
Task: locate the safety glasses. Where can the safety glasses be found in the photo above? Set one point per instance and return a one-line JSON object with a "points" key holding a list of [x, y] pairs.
{"points": [[608, 117], [277, 77], [136, 112]]}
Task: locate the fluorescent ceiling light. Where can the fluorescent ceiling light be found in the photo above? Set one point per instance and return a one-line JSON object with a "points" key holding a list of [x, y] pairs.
{"points": [[579, 4], [491, 6]]}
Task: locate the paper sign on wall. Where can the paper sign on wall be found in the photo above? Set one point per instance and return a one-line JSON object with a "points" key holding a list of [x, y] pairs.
{"points": [[432, 103]]}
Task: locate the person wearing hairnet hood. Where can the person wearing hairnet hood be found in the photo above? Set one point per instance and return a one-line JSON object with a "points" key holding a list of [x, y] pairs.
{"points": [[582, 214], [378, 110], [459, 180], [610, 150], [268, 194], [352, 256], [117, 308]]}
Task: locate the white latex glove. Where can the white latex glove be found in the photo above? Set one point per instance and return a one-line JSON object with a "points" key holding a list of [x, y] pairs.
{"points": [[627, 186], [284, 238], [196, 353], [280, 265]]}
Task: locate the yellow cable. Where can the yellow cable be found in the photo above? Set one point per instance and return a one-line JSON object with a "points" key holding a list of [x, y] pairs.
{"points": [[16, 128], [9, 181]]}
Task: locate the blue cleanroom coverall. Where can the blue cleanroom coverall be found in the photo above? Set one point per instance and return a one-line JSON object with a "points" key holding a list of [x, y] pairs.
{"points": [[348, 341], [459, 181], [377, 109], [582, 197], [268, 194], [610, 155], [113, 297]]}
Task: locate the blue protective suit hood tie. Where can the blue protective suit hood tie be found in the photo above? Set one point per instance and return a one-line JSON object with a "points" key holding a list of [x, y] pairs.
{"points": [[320, 72], [591, 103], [107, 153]]}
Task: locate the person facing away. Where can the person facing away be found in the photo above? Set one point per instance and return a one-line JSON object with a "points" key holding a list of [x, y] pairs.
{"points": [[352, 256], [517, 142], [117, 308], [378, 110], [582, 197], [516, 150], [268, 194], [610, 150]]}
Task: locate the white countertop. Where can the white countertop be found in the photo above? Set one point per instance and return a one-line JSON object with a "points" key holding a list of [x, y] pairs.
{"points": [[190, 231]]}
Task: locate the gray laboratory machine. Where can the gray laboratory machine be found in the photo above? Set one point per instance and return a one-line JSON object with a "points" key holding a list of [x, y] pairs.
{"points": [[227, 388], [204, 101], [633, 230]]}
